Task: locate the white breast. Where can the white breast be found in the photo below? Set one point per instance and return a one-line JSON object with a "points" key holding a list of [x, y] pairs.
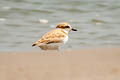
{"points": [[65, 39]]}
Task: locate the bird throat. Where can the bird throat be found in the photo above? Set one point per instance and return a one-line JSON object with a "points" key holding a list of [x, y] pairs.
{"points": [[65, 32]]}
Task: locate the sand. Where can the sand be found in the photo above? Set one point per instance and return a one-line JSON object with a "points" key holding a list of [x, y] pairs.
{"points": [[86, 64]]}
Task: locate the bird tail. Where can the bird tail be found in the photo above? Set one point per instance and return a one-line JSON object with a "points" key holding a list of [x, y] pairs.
{"points": [[34, 45]]}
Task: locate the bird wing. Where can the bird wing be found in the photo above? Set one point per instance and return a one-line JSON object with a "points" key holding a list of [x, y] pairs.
{"points": [[54, 36]]}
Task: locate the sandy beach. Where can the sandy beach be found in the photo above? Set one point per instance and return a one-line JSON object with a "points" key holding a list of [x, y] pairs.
{"points": [[84, 64]]}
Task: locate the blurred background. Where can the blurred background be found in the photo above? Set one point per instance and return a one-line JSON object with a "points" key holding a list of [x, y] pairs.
{"points": [[22, 22]]}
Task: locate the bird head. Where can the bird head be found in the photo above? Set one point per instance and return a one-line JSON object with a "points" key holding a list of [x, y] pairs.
{"points": [[65, 26]]}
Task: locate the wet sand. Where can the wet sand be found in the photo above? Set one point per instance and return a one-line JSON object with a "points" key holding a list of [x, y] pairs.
{"points": [[84, 64]]}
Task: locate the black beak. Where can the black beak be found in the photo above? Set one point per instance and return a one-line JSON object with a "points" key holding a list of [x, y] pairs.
{"points": [[74, 29]]}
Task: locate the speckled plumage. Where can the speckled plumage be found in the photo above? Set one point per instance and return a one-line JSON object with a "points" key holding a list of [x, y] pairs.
{"points": [[55, 36]]}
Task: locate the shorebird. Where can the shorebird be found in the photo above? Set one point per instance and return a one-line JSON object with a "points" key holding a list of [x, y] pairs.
{"points": [[52, 39]]}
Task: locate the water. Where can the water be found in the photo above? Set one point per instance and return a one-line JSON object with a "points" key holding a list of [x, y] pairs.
{"points": [[97, 21]]}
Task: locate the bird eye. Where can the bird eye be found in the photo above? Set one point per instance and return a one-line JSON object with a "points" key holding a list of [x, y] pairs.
{"points": [[67, 27]]}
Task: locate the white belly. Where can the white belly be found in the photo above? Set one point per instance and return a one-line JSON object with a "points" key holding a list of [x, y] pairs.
{"points": [[65, 39]]}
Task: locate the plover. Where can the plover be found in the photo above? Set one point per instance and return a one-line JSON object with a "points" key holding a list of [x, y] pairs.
{"points": [[51, 40]]}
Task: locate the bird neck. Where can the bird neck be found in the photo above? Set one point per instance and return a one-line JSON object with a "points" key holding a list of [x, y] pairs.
{"points": [[65, 31]]}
